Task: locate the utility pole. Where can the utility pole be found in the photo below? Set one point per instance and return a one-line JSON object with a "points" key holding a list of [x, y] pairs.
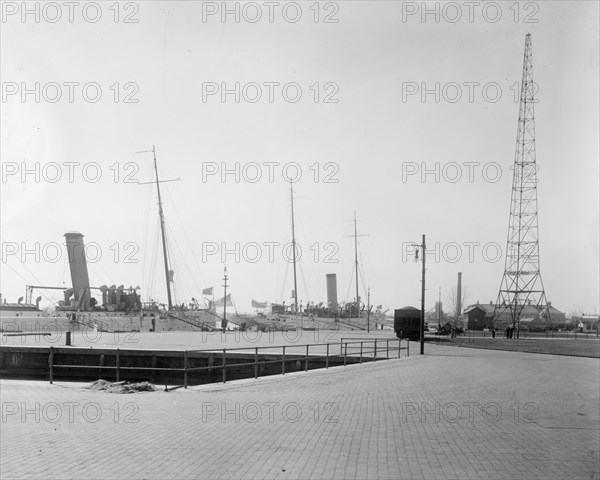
{"points": [[439, 308], [423, 298], [369, 311], [356, 266]]}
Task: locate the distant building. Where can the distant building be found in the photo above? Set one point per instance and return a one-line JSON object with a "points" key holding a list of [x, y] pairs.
{"points": [[480, 315], [436, 315], [587, 323], [477, 317]]}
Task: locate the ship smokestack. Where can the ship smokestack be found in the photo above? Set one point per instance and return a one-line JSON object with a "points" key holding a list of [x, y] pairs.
{"points": [[104, 290], [79, 271], [459, 296], [332, 290]]}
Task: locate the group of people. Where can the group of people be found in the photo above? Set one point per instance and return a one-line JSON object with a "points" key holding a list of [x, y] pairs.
{"points": [[508, 333]]}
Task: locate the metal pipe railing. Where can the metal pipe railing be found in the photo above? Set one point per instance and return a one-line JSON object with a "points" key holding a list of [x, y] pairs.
{"points": [[364, 352]]}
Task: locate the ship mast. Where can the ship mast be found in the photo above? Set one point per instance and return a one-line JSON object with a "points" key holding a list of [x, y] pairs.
{"points": [[356, 235], [162, 231], [294, 250], [162, 221]]}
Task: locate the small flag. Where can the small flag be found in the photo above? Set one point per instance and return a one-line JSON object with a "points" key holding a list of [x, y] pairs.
{"points": [[256, 304], [227, 301], [207, 291]]}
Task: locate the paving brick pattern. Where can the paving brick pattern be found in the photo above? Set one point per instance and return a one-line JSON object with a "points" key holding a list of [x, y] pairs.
{"points": [[454, 413]]}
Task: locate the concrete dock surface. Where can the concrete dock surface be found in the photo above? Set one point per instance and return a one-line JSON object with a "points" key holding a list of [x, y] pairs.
{"points": [[454, 413]]}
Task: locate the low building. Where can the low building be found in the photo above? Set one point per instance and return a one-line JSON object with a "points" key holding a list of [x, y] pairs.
{"points": [[588, 323], [481, 315], [477, 318]]}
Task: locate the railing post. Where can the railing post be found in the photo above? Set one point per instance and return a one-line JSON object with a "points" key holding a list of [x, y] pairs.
{"points": [[51, 364], [327, 357], [118, 364], [224, 362], [283, 361], [360, 358], [306, 362], [255, 363], [375, 352], [185, 375]]}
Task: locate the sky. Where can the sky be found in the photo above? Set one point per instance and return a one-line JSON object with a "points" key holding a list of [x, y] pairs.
{"points": [[403, 113]]}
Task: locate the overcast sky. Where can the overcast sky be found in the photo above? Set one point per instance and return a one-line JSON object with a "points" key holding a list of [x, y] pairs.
{"points": [[353, 100]]}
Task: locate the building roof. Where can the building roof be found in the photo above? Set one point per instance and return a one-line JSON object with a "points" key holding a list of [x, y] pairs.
{"points": [[470, 308], [528, 310]]}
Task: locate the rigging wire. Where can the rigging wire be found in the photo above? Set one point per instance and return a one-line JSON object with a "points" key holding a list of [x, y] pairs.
{"points": [[362, 272], [177, 252], [173, 245], [189, 244], [306, 291], [169, 251], [64, 271], [350, 283], [284, 283], [152, 265], [93, 268], [146, 258], [50, 297], [27, 282]]}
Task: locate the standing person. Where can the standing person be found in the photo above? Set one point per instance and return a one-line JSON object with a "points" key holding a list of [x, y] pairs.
{"points": [[493, 332], [507, 331]]}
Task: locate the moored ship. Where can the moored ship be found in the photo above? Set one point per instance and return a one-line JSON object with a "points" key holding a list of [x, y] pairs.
{"points": [[118, 309], [348, 316]]}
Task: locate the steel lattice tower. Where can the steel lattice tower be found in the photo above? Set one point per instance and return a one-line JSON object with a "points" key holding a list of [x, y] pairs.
{"points": [[522, 282]]}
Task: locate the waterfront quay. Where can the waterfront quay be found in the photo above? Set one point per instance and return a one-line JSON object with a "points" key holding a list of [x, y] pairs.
{"points": [[451, 413]]}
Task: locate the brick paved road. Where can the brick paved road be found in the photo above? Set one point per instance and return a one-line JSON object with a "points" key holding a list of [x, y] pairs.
{"points": [[454, 413]]}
